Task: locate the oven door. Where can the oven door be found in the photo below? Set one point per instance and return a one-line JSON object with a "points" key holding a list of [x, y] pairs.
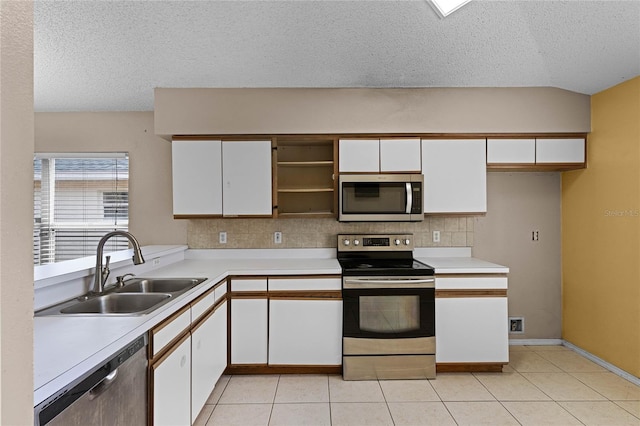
{"points": [[384, 308]]}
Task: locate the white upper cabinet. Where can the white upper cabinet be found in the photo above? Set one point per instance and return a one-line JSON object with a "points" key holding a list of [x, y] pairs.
{"points": [[229, 178], [246, 176], [197, 177], [455, 175], [560, 151], [400, 155], [379, 155], [359, 155], [511, 151]]}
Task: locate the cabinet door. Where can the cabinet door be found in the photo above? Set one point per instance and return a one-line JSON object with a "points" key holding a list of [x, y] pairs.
{"points": [[246, 174], [511, 151], [172, 386], [400, 155], [472, 329], [359, 155], [208, 339], [197, 177], [455, 175], [249, 319], [313, 338], [560, 151]]}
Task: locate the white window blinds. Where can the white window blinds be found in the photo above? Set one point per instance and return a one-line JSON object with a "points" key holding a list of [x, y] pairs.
{"points": [[77, 199]]}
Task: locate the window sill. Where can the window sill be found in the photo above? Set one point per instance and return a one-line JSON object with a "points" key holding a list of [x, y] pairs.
{"points": [[56, 273]]}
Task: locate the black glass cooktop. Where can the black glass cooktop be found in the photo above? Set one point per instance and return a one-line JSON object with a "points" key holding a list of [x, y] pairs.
{"points": [[384, 267]]}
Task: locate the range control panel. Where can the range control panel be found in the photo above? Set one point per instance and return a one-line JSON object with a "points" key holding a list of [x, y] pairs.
{"points": [[375, 242]]}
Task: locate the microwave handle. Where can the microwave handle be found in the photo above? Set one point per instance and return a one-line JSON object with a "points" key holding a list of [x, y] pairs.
{"points": [[409, 198]]}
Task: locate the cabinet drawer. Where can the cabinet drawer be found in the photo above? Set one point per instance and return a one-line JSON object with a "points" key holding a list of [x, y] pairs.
{"points": [[471, 282], [334, 283], [221, 290], [202, 304], [258, 284], [162, 335]]}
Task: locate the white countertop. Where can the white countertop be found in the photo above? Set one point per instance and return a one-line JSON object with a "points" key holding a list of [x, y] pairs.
{"points": [[66, 347], [463, 265]]}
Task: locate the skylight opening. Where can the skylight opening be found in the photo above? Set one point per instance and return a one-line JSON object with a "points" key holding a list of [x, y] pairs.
{"points": [[447, 7]]}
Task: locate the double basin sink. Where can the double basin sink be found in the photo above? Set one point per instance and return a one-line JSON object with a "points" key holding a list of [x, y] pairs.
{"points": [[137, 296]]}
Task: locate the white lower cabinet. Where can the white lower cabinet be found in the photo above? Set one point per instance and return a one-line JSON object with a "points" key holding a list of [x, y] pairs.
{"points": [[208, 356], [171, 379], [472, 330], [187, 359], [305, 332], [249, 330]]}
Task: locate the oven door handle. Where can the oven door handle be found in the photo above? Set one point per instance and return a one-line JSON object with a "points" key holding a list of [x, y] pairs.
{"points": [[360, 283]]}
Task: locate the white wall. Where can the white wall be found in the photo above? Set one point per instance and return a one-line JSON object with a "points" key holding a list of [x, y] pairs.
{"points": [[16, 212], [150, 185], [517, 204]]}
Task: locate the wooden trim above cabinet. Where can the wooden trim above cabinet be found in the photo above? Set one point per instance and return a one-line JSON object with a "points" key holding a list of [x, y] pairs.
{"points": [[314, 136]]}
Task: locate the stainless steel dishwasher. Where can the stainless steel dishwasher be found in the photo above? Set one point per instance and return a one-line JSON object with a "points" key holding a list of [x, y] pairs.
{"points": [[114, 393]]}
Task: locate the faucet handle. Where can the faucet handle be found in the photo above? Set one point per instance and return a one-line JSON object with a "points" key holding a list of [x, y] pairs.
{"points": [[120, 279]]}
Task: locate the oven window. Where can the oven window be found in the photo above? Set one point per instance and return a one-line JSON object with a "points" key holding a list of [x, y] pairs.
{"points": [[390, 314]]}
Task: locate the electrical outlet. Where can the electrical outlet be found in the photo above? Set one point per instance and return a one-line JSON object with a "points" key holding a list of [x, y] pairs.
{"points": [[535, 235], [223, 237], [436, 236], [277, 237], [156, 261]]}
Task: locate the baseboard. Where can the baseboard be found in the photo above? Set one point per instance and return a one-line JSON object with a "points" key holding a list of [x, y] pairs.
{"points": [[535, 342], [602, 363]]}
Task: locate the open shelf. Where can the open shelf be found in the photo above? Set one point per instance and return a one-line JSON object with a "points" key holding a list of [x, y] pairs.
{"points": [[305, 177]]}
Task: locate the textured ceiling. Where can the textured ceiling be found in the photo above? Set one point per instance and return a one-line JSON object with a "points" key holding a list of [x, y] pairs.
{"points": [[110, 55]]}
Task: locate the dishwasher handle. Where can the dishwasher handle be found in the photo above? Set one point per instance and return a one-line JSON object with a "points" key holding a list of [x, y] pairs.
{"points": [[103, 385]]}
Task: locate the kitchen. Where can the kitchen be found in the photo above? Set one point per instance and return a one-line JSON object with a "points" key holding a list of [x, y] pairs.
{"points": [[126, 131]]}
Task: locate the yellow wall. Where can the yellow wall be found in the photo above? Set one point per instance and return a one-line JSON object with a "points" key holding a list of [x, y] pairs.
{"points": [[601, 234]]}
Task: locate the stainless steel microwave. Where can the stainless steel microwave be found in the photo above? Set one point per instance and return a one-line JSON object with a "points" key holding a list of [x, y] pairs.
{"points": [[381, 198]]}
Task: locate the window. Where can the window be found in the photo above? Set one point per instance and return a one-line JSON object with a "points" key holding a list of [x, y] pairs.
{"points": [[77, 199]]}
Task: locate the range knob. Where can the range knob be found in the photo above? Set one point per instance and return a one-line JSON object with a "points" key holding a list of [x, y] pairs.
{"points": [[396, 242], [407, 241], [346, 242], [356, 242]]}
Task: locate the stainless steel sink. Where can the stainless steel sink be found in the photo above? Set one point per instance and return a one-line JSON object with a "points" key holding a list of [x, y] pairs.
{"points": [[138, 296], [118, 303], [159, 285]]}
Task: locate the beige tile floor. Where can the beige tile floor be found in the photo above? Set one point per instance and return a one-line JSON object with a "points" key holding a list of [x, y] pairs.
{"points": [[542, 385]]}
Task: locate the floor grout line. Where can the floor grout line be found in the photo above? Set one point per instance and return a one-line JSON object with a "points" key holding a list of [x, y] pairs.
{"points": [[615, 405]]}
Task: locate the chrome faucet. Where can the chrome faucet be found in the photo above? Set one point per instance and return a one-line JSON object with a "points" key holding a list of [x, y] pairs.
{"points": [[102, 272]]}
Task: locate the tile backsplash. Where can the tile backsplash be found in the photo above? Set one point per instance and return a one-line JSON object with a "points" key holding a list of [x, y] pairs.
{"points": [[455, 231]]}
